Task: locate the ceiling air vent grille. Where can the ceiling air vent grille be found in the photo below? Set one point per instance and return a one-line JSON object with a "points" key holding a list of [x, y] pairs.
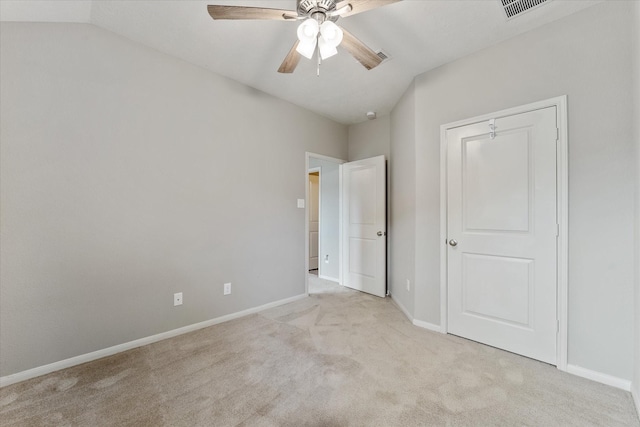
{"points": [[382, 55], [513, 8]]}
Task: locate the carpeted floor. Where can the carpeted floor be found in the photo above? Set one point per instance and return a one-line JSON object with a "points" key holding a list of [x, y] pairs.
{"points": [[322, 286], [345, 359]]}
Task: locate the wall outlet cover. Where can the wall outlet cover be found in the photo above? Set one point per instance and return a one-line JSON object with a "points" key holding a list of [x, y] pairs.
{"points": [[177, 299], [227, 288]]}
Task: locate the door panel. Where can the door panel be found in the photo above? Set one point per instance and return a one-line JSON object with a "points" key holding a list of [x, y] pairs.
{"points": [[364, 225], [496, 182], [362, 200], [501, 212], [362, 257], [497, 288]]}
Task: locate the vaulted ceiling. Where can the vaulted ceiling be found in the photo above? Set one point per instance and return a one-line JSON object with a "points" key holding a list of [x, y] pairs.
{"points": [[417, 35]]}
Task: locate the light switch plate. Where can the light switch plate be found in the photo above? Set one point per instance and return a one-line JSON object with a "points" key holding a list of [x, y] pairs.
{"points": [[301, 203]]}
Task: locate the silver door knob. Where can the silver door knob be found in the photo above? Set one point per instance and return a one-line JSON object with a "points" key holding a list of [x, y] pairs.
{"points": [[453, 242], [381, 233]]}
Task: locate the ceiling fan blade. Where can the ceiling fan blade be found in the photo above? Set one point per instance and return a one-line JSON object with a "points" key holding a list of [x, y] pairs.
{"points": [[242, 12], [291, 61], [360, 51], [358, 6]]}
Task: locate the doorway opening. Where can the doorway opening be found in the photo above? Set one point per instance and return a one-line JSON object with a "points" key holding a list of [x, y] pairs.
{"points": [[322, 224], [351, 225]]}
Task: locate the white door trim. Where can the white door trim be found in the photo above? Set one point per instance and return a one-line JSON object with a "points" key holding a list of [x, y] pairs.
{"points": [[307, 156], [562, 212]]}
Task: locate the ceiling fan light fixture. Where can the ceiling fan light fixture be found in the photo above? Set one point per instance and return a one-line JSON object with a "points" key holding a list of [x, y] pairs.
{"points": [[317, 27]]}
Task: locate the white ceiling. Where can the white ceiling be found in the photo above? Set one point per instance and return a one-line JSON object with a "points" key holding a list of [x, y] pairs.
{"points": [[418, 35]]}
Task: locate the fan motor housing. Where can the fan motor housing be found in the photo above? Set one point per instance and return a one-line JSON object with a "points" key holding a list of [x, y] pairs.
{"points": [[313, 7]]}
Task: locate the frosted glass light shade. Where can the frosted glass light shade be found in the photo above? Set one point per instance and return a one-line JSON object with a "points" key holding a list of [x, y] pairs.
{"points": [[331, 33], [308, 30], [327, 50], [306, 49]]}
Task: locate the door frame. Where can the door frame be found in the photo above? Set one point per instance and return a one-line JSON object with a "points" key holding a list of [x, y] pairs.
{"points": [[319, 172], [562, 206], [307, 156]]}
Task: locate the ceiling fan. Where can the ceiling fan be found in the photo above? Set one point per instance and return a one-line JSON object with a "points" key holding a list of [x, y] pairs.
{"points": [[318, 32]]}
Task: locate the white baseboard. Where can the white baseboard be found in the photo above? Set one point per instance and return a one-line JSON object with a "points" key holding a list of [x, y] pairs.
{"points": [[402, 308], [331, 279], [418, 323], [429, 326], [635, 392], [88, 357], [599, 377]]}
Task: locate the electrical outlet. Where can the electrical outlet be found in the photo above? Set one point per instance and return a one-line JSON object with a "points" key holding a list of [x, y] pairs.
{"points": [[177, 299], [408, 285], [227, 288]]}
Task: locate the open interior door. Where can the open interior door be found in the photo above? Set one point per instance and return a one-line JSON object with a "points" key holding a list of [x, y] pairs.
{"points": [[364, 226]]}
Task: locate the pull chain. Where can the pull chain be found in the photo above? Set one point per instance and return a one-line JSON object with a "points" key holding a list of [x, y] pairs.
{"points": [[319, 60]]}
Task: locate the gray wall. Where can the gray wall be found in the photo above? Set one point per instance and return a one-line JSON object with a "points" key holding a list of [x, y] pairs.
{"points": [[586, 56], [636, 56], [329, 218], [128, 175], [402, 201], [370, 139]]}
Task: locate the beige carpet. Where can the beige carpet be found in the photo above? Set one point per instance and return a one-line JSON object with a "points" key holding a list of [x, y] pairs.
{"points": [[343, 359], [322, 286]]}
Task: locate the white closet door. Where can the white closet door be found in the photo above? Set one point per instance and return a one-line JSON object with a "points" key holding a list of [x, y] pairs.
{"points": [[502, 233]]}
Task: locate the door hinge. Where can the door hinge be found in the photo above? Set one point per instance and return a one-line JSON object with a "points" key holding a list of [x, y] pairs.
{"points": [[557, 230], [492, 128], [557, 134], [557, 326]]}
